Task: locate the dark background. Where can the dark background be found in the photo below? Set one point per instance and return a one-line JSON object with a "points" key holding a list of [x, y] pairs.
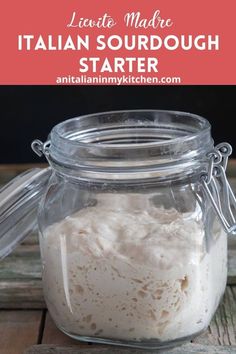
{"points": [[29, 112]]}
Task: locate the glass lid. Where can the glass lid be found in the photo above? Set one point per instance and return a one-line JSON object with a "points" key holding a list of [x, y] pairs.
{"points": [[19, 201]]}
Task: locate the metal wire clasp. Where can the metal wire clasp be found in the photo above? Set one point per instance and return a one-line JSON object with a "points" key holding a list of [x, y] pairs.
{"points": [[217, 187], [41, 148]]}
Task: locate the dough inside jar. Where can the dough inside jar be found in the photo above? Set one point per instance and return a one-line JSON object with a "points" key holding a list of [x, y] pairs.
{"points": [[126, 269]]}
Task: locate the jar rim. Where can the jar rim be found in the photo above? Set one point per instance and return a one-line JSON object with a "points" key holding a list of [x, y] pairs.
{"points": [[129, 140], [204, 126]]}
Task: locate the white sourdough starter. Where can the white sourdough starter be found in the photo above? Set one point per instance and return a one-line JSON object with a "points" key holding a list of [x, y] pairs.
{"points": [[125, 269]]}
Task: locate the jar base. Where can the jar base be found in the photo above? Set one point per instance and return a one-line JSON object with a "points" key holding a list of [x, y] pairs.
{"points": [[145, 344]]}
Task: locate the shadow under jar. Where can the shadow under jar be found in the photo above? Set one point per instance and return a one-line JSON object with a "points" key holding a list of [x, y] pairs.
{"points": [[133, 250]]}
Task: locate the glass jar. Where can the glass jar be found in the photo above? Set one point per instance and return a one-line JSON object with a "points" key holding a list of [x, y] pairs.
{"points": [[132, 235]]}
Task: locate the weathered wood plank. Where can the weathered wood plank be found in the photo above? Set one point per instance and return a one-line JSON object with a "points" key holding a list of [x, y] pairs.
{"points": [[186, 349], [222, 330], [232, 260], [20, 278], [8, 172], [17, 168], [21, 294], [24, 263], [18, 330], [231, 168], [31, 239]]}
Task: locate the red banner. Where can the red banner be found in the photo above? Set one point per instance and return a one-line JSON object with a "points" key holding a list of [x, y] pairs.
{"points": [[128, 42]]}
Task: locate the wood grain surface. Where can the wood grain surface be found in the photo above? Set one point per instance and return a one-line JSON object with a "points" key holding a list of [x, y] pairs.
{"points": [[186, 349], [18, 330]]}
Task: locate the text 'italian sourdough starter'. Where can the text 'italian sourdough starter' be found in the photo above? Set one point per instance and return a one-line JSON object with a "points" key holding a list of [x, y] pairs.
{"points": [[127, 269]]}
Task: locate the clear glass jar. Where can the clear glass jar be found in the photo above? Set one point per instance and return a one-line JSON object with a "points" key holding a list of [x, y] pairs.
{"points": [[133, 251]]}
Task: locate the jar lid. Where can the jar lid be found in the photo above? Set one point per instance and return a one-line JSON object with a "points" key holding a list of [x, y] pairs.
{"points": [[19, 201]]}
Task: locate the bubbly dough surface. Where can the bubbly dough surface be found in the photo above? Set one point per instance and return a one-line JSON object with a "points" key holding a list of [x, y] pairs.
{"points": [[126, 269]]}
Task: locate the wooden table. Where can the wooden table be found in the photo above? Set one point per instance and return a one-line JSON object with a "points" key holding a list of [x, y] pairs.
{"points": [[25, 322]]}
